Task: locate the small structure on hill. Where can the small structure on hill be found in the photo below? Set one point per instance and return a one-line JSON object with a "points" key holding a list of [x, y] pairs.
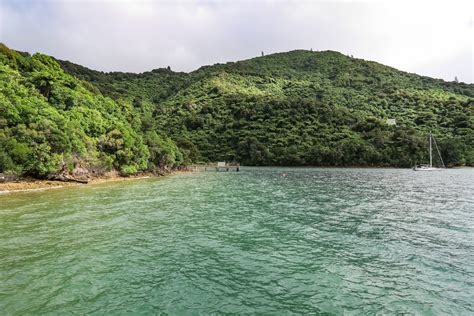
{"points": [[391, 122]]}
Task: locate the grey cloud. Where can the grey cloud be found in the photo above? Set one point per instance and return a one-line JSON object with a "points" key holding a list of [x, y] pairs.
{"points": [[429, 38]]}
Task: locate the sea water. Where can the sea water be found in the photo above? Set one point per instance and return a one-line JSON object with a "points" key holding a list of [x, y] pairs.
{"points": [[262, 240]]}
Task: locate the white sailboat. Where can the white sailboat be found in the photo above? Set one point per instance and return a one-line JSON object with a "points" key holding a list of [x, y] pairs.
{"points": [[430, 166]]}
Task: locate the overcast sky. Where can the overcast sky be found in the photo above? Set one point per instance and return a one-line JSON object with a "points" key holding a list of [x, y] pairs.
{"points": [[428, 38]]}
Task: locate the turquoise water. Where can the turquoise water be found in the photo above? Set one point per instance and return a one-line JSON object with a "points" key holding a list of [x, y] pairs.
{"points": [[264, 240]]}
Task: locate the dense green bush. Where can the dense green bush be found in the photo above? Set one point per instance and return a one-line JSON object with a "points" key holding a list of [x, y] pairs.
{"points": [[295, 108], [301, 108], [49, 119]]}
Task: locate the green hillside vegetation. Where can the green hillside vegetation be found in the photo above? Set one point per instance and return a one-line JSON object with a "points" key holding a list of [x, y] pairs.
{"points": [[296, 108], [50, 121], [303, 108]]}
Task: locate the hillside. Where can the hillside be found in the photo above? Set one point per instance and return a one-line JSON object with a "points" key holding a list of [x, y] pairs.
{"points": [[303, 108], [295, 108], [52, 122]]}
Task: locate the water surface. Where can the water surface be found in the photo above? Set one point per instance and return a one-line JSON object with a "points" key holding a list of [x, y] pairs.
{"points": [[264, 240]]}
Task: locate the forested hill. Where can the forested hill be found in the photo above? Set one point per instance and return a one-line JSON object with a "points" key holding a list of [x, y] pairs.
{"points": [[52, 122], [295, 108], [301, 108]]}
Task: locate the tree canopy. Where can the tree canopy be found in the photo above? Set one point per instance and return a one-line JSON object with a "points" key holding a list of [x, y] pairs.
{"points": [[49, 120], [296, 108], [302, 108]]}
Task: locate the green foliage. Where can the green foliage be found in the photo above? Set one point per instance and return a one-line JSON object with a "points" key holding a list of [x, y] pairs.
{"points": [[295, 108], [163, 152], [49, 118], [301, 108]]}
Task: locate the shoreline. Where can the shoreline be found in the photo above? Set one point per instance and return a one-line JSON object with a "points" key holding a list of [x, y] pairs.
{"points": [[29, 185]]}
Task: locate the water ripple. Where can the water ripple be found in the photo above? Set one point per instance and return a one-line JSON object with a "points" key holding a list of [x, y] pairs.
{"points": [[363, 241]]}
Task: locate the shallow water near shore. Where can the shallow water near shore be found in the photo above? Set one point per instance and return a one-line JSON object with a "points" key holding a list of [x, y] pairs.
{"points": [[263, 240]]}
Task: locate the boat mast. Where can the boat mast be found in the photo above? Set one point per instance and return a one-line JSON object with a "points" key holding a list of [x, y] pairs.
{"points": [[439, 154], [431, 154]]}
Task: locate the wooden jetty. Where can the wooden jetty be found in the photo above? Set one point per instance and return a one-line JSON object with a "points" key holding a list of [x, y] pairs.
{"points": [[224, 166], [221, 166]]}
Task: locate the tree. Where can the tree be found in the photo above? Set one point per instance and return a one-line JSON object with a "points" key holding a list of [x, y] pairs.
{"points": [[43, 81]]}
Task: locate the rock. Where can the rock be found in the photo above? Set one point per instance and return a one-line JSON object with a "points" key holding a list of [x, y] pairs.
{"points": [[8, 178], [68, 178]]}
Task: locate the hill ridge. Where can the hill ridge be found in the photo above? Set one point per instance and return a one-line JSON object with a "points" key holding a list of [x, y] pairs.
{"points": [[276, 54], [291, 108]]}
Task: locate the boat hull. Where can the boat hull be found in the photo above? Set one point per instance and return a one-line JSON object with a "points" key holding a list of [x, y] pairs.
{"points": [[427, 169]]}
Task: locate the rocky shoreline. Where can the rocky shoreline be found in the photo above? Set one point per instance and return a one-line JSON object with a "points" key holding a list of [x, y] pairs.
{"points": [[35, 184], [30, 184]]}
